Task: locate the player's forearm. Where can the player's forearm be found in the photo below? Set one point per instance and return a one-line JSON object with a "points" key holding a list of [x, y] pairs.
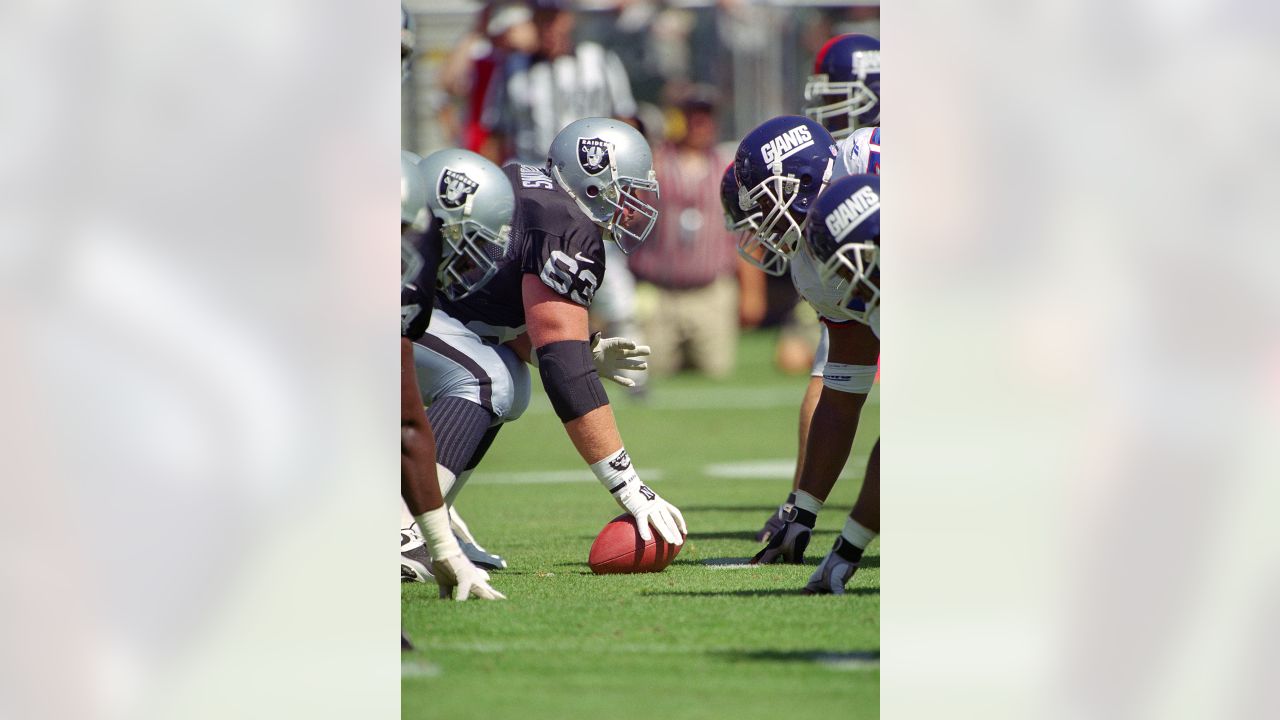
{"points": [[595, 435], [419, 485], [834, 424]]}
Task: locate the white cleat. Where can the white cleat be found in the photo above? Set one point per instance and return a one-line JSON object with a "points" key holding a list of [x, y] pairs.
{"points": [[476, 554]]}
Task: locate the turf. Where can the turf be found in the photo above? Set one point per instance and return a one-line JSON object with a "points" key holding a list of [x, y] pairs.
{"points": [[695, 641]]}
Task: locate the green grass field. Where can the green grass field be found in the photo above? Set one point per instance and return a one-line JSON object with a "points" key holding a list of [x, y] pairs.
{"points": [[695, 641]]}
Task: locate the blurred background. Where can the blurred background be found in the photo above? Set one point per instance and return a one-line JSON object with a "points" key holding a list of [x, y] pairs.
{"points": [[502, 77]]}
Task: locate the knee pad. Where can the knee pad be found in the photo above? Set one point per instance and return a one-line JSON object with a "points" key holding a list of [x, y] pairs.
{"points": [[856, 379]]}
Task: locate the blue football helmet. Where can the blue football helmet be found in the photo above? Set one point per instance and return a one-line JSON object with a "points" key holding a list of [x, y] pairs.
{"points": [[844, 90], [843, 235], [781, 166], [746, 223]]}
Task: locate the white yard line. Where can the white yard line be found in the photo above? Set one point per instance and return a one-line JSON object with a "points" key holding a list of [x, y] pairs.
{"points": [[832, 661], [744, 397], [765, 469]]}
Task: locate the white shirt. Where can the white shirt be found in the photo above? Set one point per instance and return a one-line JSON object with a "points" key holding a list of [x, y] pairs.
{"points": [[859, 153]]}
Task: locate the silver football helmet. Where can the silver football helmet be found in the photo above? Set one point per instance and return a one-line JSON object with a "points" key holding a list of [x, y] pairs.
{"points": [[607, 168], [408, 39], [474, 200], [413, 193]]}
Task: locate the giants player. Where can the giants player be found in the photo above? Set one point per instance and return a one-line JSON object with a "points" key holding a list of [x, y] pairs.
{"points": [[842, 94], [837, 271]]}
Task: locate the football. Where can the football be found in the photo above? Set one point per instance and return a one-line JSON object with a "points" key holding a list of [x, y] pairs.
{"points": [[619, 549]]}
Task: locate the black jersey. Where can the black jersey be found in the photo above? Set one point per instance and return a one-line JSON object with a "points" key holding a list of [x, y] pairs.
{"points": [[420, 260], [550, 238]]}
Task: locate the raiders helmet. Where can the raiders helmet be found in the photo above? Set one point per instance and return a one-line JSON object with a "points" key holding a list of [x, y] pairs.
{"points": [[413, 193], [408, 39], [474, 201], [843, 236], [606, 167]]}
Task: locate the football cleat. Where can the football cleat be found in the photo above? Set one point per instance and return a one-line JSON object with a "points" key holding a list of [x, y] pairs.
{"points": [[415, 561], [476, 554]]}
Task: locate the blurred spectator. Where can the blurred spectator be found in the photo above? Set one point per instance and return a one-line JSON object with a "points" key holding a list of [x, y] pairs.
{"points": [[691, 260], [504, 31], [560, 83]]}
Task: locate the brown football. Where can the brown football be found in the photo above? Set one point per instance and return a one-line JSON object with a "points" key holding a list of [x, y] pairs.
{"points": [[619, 549]]}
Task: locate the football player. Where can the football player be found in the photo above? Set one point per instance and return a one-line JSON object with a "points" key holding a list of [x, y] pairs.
{"points": [[842, 94], [598, 186], [837, 272], [450, 223]]}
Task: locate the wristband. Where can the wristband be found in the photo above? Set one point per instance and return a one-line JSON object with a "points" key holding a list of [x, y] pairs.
{"points": [[615, 471], [438, 534]]}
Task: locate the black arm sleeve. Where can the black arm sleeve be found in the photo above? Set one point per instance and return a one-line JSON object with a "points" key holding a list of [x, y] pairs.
{"points": [[570, 379]]}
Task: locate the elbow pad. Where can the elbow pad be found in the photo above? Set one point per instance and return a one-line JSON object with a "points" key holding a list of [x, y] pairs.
{"points": [[569, 375], [855, 379]]}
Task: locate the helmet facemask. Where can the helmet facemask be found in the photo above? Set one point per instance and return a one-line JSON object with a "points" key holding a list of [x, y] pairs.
{"points": [[841, 101], [470, 254], [751, 250], [634, 215], [777, 232], [854, 268]]}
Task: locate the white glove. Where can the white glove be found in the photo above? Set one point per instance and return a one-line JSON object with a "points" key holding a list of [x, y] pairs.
{"points": [[644, 504], [832, 575], [450, 567], [457, 571], [621, 480], [613, 355]]}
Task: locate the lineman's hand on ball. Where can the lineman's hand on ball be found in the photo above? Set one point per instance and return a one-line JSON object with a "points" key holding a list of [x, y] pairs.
{"points": [[614, 355], [831, 576], [788, 543], [456, 571], [650, 509]]}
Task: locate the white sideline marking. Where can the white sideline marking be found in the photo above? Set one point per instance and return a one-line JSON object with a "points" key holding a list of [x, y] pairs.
{"points": [[419, 669], [753, 469], [743, 397], [831, 661], [777, 469], [532, 477], [771, 469], [836, 661], [729, 566]]}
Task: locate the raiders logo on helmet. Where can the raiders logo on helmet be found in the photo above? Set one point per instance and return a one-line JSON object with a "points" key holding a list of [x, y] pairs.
{"points": [[593, 155], [454, 187]]}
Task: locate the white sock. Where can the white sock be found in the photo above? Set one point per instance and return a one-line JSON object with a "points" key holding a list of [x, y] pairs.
{"points": [[805, 501], [857, 535], [447, 479]]}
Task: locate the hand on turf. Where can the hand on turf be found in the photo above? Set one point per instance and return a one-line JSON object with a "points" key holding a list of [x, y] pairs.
{"points": [[831, 576], [772, 525], [788, 543], [456, 571], [614, 355], [650, 509]]}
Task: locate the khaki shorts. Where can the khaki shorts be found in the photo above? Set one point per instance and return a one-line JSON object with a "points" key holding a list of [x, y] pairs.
{"points": [[695, 329]]}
